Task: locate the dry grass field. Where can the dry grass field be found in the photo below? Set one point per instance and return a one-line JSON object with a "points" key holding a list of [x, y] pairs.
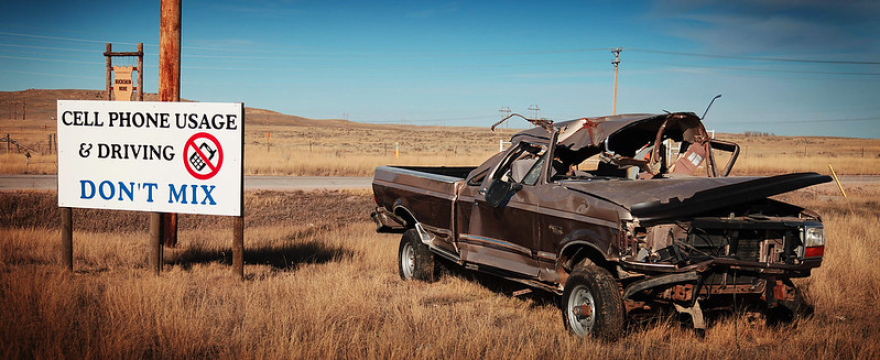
{"points": [[322, 284], [771, 155], [303, 147]]}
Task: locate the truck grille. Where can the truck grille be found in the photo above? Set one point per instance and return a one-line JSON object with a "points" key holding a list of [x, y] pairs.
{"points": [[742, 239]]}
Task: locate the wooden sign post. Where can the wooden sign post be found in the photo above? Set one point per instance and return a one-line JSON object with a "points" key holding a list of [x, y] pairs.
{"points": [[164, 226], [188, 156]]}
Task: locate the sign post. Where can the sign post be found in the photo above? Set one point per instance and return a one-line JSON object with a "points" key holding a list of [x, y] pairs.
{"points": [[67, 238], [121, 75], [169, 90]]}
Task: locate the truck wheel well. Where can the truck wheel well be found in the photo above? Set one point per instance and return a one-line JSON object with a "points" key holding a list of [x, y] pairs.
{"points": [[406, 215], [574, 254]]}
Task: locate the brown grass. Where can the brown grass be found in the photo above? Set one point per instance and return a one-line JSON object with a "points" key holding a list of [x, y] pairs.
{"points": [[321, 284]]}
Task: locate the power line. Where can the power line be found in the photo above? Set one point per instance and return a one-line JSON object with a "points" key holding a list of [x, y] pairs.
{"points": [[380, 54], [470, 54], [741, 68], [64, 38], [301, 54], [47, 48], [754, 58], [52, 60]]}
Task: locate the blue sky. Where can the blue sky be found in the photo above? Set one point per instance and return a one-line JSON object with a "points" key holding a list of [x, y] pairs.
{"points": [[789, 67]]}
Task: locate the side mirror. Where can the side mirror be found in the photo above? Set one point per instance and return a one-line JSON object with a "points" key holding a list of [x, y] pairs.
{"points": [[498, 191]]}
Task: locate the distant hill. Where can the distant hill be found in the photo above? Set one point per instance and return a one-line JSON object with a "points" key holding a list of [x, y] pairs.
{"points": [[40, 104]]}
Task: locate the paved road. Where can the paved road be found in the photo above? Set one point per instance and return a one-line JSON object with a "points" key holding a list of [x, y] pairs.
{"points": [[49, 182]]}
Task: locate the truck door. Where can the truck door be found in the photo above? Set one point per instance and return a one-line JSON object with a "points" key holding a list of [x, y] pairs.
{"points": [[503, 234]]}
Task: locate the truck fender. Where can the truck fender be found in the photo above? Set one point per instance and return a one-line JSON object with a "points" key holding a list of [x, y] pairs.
{"points": [[404, 214], [577, 250], [411, 223]]}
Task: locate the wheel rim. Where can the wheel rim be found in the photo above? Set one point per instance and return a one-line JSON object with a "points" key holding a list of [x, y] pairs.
{"points": [[581, 325], [407, 260]]}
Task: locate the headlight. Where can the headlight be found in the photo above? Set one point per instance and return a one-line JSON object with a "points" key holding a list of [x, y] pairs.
{"points": [[814, 237], [814, 242]]}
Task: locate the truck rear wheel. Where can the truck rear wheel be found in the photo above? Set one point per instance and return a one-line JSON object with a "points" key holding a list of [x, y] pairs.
{"points": [[415, 261], [591, 304]]}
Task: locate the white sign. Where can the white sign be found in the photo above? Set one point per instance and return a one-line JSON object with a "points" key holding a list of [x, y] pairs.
{"points": [[173, 157]]}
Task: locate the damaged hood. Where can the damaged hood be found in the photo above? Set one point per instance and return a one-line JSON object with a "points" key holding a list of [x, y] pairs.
{"points": [[657, 199]]}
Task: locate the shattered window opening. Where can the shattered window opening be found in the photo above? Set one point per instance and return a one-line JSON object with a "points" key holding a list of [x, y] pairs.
{"points": [[653, 148], [524, 165]]}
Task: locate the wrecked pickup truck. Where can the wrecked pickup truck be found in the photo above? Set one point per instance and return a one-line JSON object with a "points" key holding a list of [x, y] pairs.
{"points": [[624, 216]]}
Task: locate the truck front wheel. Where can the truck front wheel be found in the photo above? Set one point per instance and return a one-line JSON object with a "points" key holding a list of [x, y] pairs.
{"points": [[415, 261], [591, 304]]}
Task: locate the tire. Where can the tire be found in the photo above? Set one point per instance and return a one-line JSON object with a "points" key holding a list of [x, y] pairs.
{"points": [[414, 260], [595, 288]]}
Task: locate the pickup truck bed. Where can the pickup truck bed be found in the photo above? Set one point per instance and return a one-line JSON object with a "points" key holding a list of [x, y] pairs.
{"points": [[427, 190]]}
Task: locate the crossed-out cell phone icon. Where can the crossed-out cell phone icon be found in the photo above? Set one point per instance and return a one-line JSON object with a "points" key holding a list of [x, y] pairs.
{"points": [[197, 161]]}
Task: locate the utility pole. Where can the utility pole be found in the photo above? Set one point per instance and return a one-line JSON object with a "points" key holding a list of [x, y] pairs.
{"points": [[505, 112], [616, 64], [163, 226], [534, 109]]}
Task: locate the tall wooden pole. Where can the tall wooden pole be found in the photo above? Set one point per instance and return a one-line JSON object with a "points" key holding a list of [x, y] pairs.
{"points": [[169, 86], [169, 90], [169, 51]]}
